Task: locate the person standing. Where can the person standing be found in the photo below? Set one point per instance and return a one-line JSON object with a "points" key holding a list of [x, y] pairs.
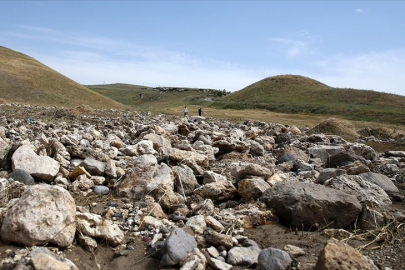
{"points": [[185, 110], [199, 111]]}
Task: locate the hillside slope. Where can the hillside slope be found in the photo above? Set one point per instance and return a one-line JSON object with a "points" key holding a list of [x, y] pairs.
{"points": [[25, 80], [298, 94]]}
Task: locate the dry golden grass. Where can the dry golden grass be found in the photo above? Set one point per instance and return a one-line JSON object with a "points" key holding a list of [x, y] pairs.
{"points": [[25, 80], [335, 126], [3, 101]]}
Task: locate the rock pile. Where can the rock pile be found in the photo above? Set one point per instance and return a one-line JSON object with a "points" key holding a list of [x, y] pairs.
{"points": [[188, 187]]}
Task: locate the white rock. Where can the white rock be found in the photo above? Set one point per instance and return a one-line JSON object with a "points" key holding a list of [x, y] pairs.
{"points": [[42, 167], [99, 228], [44, 214]]}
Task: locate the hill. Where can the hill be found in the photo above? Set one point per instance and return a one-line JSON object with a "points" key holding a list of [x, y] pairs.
{"points": [[25, 80], [298, 94], [157, 100]]}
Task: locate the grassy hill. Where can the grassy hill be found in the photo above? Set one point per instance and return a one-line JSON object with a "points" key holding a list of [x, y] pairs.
{"points": [[298, 94], [143, 98], [25, 80]]}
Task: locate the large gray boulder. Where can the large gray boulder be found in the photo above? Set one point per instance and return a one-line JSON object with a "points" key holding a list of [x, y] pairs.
{"points": [[366, 192], [177, 246], [306, 205], [380, 180], [42, 167], [44, 214]]}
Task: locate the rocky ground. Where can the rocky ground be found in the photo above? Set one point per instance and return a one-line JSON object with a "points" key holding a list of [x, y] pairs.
{"points": [[110, 189]]}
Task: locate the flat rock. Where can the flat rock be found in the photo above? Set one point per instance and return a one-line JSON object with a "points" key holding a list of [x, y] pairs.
{"points": [[305, 205], [366, 192]]}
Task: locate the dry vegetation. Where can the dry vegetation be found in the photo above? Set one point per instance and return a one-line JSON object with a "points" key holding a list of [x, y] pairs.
{"points": [[25, 80]]}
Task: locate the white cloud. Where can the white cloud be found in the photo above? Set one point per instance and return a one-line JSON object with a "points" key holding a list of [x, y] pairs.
{"points": [[90, 68], [297, 44], [359, 10]]}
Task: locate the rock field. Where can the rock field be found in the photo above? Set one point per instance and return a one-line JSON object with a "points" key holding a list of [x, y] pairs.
{"points": [[128, 190]]}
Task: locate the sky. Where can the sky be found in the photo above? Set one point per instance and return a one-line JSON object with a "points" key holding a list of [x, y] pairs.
{"points": [[213, 44]]}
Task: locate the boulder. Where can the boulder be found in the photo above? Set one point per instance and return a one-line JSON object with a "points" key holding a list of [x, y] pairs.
{"points": [[161, 187], [94, 166], [101, 190], [4, 153], [274, 259], [254, 170], [380, 180], [177, 155], [185, 181], [44, 214], [341, 159], [324, 152], [159, 142], [210, 177], [252, 187], [197, 170], [82, 183], [205, 208], [338, 255], [42, 167], [22, 176], [43, 258], [218, 239], [135, 182], [328, 173], [285, 157], [244, 255], [309, 206], [99, 228], [144, 147], [86, 242], [197, 223], [366, 192], [364, 151], [177, 246], [214, 224], [227, 145]]}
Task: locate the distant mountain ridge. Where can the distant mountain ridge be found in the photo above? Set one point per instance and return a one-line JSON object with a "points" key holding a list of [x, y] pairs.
{"points": [[23, 79]]}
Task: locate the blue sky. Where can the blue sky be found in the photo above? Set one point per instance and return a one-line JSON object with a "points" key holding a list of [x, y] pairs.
{"points": [[213, 44]]}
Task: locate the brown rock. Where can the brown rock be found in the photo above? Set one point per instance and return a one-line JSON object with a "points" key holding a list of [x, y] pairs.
{"points": [[338, 255]]}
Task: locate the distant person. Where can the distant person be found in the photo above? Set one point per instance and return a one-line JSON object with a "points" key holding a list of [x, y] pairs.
{"points": [[199, 111], [185, 110]]}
